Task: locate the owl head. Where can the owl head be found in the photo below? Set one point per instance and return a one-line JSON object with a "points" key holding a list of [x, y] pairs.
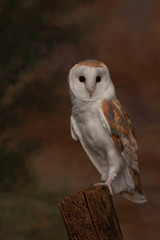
{"points": [[90, 80]]}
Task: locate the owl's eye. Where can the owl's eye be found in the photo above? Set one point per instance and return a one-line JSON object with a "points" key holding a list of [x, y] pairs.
{"points": [[82, 79], [98, 79]]}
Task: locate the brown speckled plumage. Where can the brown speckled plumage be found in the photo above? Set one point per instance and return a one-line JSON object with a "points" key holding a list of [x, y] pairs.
{"points": [[90, 63], [123, 136]]}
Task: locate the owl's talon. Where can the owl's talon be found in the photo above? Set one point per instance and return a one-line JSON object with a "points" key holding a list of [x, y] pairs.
{"points": [[108, 184], [91, 185]]}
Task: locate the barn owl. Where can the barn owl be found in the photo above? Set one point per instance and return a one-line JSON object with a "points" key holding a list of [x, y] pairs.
{"points": [[104, 129]]}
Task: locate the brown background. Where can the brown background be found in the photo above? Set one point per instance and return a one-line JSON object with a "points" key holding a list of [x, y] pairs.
{"points": [[40, 163]]}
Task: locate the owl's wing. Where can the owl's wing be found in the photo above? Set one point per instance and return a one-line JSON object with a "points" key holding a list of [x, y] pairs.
{"points": [[123, 135], [74, 133]]}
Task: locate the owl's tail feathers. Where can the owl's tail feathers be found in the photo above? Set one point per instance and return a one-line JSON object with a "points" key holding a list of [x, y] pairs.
{"points": [[134, 197]]}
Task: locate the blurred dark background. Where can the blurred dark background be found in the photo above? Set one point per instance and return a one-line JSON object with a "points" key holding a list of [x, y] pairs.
{"points": [[39, 162]]}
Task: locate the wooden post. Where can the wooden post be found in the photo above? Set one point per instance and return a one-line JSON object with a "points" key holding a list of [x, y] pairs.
{"points": [[90, 215]]}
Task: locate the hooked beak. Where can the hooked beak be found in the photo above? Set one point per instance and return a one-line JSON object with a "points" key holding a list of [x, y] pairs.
{"points": [[90, 91]]}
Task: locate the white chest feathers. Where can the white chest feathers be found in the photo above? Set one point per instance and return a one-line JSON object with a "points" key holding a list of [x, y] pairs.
{"points": [[90, 126]]}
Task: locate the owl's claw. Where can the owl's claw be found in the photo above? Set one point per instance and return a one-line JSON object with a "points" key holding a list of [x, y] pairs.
{"points": [[92, 185], [107, 183]]}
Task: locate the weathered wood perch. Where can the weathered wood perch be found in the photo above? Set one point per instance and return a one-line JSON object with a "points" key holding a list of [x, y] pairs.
{"points": [[90, 215]]}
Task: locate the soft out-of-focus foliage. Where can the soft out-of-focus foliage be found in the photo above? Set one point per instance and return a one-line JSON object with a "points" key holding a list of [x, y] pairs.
{"points": [[27, 36], [32, 215]]}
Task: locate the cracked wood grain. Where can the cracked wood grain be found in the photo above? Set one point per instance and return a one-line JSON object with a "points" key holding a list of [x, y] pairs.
{"points": [[90, 215]]}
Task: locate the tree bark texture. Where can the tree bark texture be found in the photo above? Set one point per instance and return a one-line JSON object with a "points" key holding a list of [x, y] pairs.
{"points": [[90, 215]]}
